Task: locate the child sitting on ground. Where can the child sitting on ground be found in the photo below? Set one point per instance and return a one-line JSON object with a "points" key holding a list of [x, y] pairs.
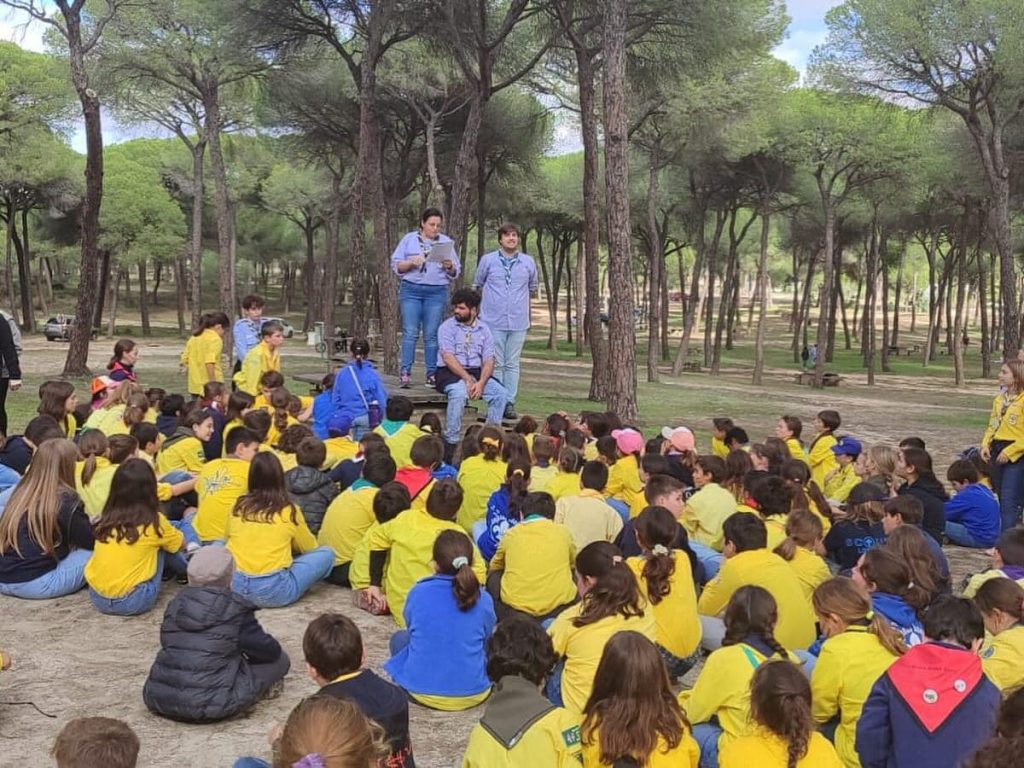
{"points": [[1001, 602], [88, 741], [182, 452], [907, 511], [894, 594], [802, 549], [397, 430], [520, 728], [425, 456], [820, 457], [531, 572], [624, 483], [566, 481], [972, 515], [503, 509], [239, 404], [544, 450], [308, 487], [706, 511], [587, 515], [440, 657], [789, 430], [843, 479], [1007, 562], [333, 649], [221, 483], [720, 427], [409, 541], [859, 530], [391, 500], [172, 408], [215, 660], [215, 403], [481, 475]]}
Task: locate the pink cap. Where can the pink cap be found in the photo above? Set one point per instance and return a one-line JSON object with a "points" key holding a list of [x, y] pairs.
{"points": [[680, 438], [628, 440]]}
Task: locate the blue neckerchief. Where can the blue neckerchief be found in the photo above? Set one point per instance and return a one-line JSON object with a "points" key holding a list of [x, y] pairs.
{"points": [[507, 263]]}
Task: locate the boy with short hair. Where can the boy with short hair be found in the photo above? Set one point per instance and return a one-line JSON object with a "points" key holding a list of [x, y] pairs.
{"points": [[391, 500], [736, 439], [149, 439], [705, 512], [409, 540], [221, 483], [398, 432], [246, 330], [841, 480], [309, 487], [660, 491], [520, 728], [1007, 562], [426, 455], [88, 742], [335, 659], [934, 705], [587, 516], [908, 510], [972, 515]]}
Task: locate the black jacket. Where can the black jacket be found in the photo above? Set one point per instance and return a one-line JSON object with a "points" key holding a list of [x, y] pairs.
{"points": [[933, 497], [383, 702], [209, 641], [9, 366], [313, 491]]}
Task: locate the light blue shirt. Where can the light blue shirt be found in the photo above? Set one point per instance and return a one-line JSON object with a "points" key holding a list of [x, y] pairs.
{"points": [[470, 344], [505, 291], [246, 335], [431, 273]]}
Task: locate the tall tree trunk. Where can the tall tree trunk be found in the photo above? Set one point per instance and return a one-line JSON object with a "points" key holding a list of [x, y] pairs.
{"points": [[180, 287], [465, 168], [309, 274], [986, 341], [222, 204], [115, 286], [12, 300], [195, 250], [97, 319], [621, 397], [25, 271], [804, 310], [895, 340], [581, 293], [795, 304], [959, 375], [144, 299], [762, 293], [826, 288], [656, 254], [333, 229], [692, 303], [158, 275], [869, 304], [481, 204]]}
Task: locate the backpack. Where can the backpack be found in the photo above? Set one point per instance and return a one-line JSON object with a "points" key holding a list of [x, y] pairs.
{"points": [[15, 330]]}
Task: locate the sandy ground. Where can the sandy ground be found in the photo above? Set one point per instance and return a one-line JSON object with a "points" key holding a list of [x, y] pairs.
{"points": [[72, 661]]}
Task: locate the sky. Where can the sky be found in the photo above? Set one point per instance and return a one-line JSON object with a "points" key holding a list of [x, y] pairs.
{"points": [[806, 30]]}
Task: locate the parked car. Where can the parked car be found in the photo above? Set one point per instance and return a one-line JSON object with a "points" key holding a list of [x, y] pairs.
{"points": [[289, 329], [59, 328]]}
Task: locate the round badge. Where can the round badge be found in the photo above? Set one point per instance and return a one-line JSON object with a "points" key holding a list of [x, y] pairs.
{"points": [[930, 696], [960, 686]]}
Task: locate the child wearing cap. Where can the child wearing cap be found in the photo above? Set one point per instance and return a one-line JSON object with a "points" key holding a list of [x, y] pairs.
{"points": [[215, 659], [841, 480], [972, 515], [679, 450], [624, 484], [859, 530]]}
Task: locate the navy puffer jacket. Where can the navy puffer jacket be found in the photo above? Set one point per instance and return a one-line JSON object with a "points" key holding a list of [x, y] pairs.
{"points": [[210, 640]]}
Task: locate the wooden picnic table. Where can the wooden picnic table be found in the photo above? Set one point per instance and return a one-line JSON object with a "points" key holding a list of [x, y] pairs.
{"points": [[912, 349], [807, 378]]}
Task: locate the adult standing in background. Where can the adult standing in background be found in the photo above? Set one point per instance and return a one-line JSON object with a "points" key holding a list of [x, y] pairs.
{"points": [[246, 330], [506, 278], [1003, 443], [424, 291], [122, 365], [10, 369]]}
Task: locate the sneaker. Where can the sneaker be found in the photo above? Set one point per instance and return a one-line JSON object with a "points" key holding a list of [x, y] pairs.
{"points": [[510, 412], [275, 690], [431, 382], [404, 378]]}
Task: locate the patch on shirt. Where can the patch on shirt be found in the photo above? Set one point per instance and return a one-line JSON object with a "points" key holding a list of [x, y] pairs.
{"points": [[988, 653], [571, 736]]}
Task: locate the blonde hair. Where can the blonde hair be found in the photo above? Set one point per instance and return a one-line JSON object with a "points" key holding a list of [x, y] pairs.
{"points": [[335, 730], [91, 445], [38, 497], [884, 457], [122, 394], [803, 528], [850, 602]]}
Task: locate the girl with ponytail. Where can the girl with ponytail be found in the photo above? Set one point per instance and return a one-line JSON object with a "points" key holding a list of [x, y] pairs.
{"points": [[807, 496], [894, 594], [859, 647], [503, 508], [1001, 602], [481, 475], [780, 705], [610, 601], [803, 548], [665, 578], [440, 658], [722, 691]]}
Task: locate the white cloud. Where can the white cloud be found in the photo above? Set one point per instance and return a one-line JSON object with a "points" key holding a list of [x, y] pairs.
{"points": [[809, 11], [798, 47], [18, 27]]}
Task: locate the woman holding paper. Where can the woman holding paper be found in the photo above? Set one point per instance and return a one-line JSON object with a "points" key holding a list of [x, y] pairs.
{"points": [[426, 261]]}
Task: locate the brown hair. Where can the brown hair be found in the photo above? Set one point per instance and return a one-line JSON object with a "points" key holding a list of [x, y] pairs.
{"points": [[122, 394], [515, 449], [805, 490], [780, 700], [427, 451], [120, 448], [271, 379], [333, 728], [866, 512], [526, 425], [37, 498], [752, 611], [1017, 371], [132, 505], [310, 452], [53, 396], [268, 495], [444, 499], [259, 422], [908, 544], [712, 465], [87, 742], [774, 451], [570, 460], [908, 507], [737, 465], [631, 706], [489, 441], [288, 441], [517, 480], [656, 529], [450, 546], [333, 645], [615, 590], [279, 404], [238, 401], [543, 448], [136, 408], [794, 425], [802, 530], [1005, 595], [850, 602], [91, 445], [884, 568]]}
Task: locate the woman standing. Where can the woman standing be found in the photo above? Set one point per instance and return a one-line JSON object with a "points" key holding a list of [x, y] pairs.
{"points": [[424, 291], [1003, 443], [202, 353], [10, 370], [122, 365]]}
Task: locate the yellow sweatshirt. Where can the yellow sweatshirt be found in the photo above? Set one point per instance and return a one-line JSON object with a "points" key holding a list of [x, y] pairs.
{"points": [[552, 741], [705, 512], [400, 442], [796, 450], [260, 547], [1007, 423], [675, 616], [479, 478], [185, 454], [718, 448], [759, 567], [839, 485], [410, 540], [200, 350], [542, 477], [847, 668], [1003, 659], [117, 567], [588, 518], [810, 569], [258, 361], [685, 755], [821, 460], [538, 557], [347, 519], [624, 481], [768, 750], [338, 450], [219, 485], [564, 484]]}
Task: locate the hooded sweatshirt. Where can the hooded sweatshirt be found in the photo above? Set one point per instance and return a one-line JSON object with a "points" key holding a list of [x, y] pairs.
{"points": [[902, 617], [932, 496], [313, 491]]}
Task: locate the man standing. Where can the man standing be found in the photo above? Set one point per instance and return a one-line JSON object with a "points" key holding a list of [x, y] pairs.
{"points": [[507, 279], [246, 331], [465, 365]]}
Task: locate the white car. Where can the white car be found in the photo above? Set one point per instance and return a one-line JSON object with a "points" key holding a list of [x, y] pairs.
{"points": [[289, 329]]}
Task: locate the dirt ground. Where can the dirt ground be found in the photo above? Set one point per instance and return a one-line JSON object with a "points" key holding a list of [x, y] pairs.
{"points": [[71, 661]]}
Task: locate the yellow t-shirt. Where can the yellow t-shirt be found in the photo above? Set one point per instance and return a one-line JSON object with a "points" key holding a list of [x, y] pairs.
{"points": [[359, 570], [675, 616], [288, 460], [94, 495], [624, 481], [260, 548], [552, 741], [542, 477], [686, 753], [538, 557], [704, 514], [718, 448], [339, 449], [768, 750], [821, 459], [796, 449], [759, 567], [582, 648], [1003, 659], [588, 518], [199, 351], [590, 451], [410, 540], [258, 361], [810, 569], [347, 519], [722, 690], [219, 485], [117, 567], [230, 427], [70, 425], [839, 485], [775, 527], [479, 478], [975, 582], [1006, 422], [400, 442], [185, 454], [848, 666], [274, 434], [564, 484]]}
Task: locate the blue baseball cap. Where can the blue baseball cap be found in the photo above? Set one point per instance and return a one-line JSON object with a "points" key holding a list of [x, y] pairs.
{"points": [[847, 446]]}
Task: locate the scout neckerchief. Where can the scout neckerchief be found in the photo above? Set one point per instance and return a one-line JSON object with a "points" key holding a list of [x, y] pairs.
{"points": [[507, 263]]}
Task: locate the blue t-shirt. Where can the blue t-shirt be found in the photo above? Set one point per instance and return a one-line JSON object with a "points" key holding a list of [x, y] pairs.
{"points": [[977, 509]]}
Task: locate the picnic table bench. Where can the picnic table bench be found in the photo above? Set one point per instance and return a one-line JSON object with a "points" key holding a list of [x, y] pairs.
{"points": [[421, 397], [692, 365], [807, 378], [906, 351]]}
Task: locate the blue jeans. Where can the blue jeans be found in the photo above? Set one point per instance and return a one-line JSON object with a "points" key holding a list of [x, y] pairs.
{"points": [[494, 395], [140, 600], [422, 306], [508, 348], [285, 586], [250, 762], [553, 687], [398, 641], [710, 558], [1008, 482], [621, 507], [712, 631], [66, 578], [707, 735], [959, 534]]}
